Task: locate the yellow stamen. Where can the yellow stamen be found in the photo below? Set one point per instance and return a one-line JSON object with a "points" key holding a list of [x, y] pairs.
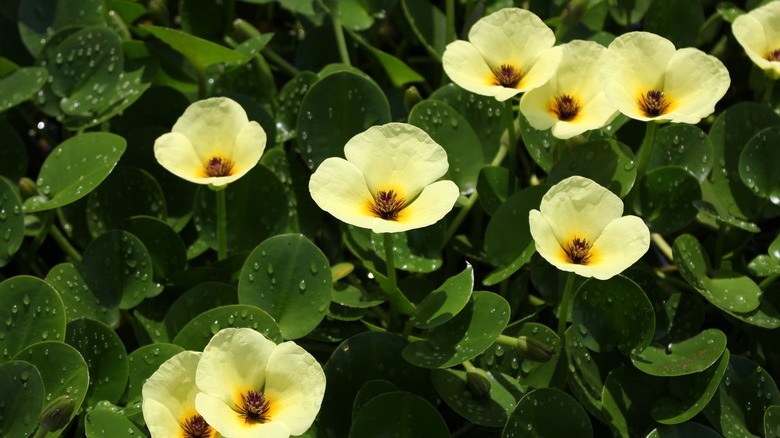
{"points": [[565, 108], [578, 251], [218, 166], [653, 103], [386, 205], [196, 427], [507, 75]]}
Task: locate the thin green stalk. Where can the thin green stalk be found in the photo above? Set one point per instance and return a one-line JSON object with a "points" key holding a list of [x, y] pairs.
{"points": [[512, 143], [662, 245], [335, 18], [279, 61], [468, 366], [221, 225], [643, 156], [450, 35], [769, 85], [509, 341], [563, 310], [769, 280], [398, 301], [64, 244]]}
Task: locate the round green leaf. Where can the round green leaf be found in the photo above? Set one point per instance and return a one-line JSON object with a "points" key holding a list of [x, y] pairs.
{"points": [[101, 423], [628, 398], [666, 199], [686, 146], [164, 245], [40, 19], [80, 300], [728, 290], [463, 337], [142, 363], [683, 430], [708, 212], [757, 164], [351, 296], [63, 372], [398, 414], [118, 262], [198, 332], [106, 358], [74, 169], [20, 86], [31, 312], [772, 422], [444, 303], [492, 186], [360, 15], [290, 278], [369, 390], [335, 109], [548, 412], [690, 394], [744, 394], [689, 356], [454, 133], [414, 250], [127, 192], [675, 21], [608, 162], [205, 296], [508, 241], [613, 313], [490, 411], [290, 97], [246, 227], [11, 221], [588, 372], [541, 145], [22, 387], [361, 358], [427, 21]]}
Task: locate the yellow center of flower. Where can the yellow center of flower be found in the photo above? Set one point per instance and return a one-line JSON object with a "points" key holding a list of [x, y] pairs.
{"points": [[255, 407], [565, 108], [386, 205], [578, 251], [218, 166], [196, 427], [653, 103], [507, 75], [774, 55]]}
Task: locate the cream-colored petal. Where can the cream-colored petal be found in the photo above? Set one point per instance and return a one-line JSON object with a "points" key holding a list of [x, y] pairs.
{"points": [[580, 68], [212, 126], [750, 34], [542, 70], [295, 387], [397, 155], [512, 36], [580, 207], [233, 363], [230, 424], [434, 202], [339, 188], [535, 106], [248, 148], [465, 65], [695, 82], [547, 244], [623, 242], [169, 394], [594, 115], [159, 420], [176, 154], [635, 64], [769, 15]]}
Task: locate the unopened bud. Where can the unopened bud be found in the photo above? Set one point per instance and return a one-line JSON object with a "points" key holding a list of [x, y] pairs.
{"points": [[57, 413], [412, 97], [478, 382], [27, 188], [534, 349]]}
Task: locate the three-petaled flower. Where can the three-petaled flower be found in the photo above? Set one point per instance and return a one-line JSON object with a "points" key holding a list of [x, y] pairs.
{"points": [[509, 51], [388, 182], [580, 228], [647, 79], [758, 32], [572, 101], [213, 142]]}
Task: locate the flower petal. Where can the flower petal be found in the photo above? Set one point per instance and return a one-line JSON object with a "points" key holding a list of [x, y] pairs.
{"points": [[230, 424], [465, 65], [338, 187], [695, 81], [176, 154], [435, 201], [248, 148], [580, 206], [623, 242], [397, 155], [212, 126], [232, 363], [169, 394], [295, 386]]}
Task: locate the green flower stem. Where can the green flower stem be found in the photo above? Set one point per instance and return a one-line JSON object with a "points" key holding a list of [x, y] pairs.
{"points": [[662, 245], [468, 365], [768, 281], [398, 301], [769, 85], [512, 143], [221, 225], [64, 244], [563, 310], [509, 341], [279, 61], [450, 35], [335, 18], [644, 151]]}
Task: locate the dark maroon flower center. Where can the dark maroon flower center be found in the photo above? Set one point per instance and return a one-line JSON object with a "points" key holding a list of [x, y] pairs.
{"points": [[196, 427], [578, 251], [507, 76], [254, 407], [565, 108], [387, 205], [774, 55], [654, 103], [218, 166]]}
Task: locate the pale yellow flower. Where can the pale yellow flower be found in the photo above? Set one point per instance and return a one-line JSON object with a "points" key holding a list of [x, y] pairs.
{"points": [[758, 32], [572, 101], [251, 387], [509, 51], [213, 142], [169, 400], [388, 183], [580, 228], [646, 78]]}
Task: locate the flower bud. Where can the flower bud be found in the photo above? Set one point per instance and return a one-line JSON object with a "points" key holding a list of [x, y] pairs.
{"points": [[27, 188], [478, 383], [533, 349], [57, 413], [412, 97]]}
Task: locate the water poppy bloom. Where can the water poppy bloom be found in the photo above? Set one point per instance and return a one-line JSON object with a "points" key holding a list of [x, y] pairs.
{"points": [[580, 228], [647, 79], [572, 101], [169, 400], [251, 387], [509, 51], [213, 142], [388, 182], [758, 33]]}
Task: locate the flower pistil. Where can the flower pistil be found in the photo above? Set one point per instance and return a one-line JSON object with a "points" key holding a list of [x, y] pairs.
{"points": [[218, 166], [387, 205], [255, 407], [774, 55], [653, 103], [578, 251], [507, 75], [565, 107], [196, 427]]}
